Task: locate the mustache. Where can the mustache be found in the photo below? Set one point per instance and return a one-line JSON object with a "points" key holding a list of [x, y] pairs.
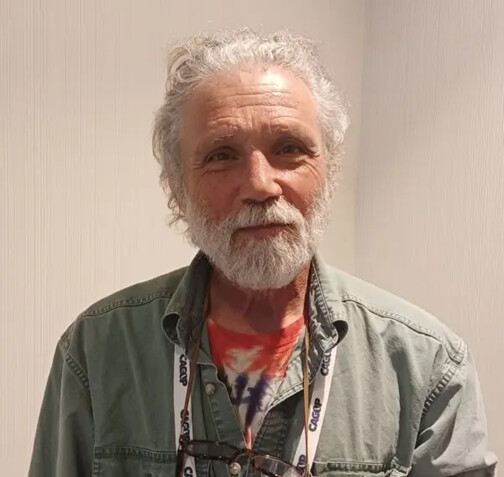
{"points": [[256, 215]]}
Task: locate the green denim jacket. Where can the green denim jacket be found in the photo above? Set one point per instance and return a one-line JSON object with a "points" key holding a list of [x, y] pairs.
{"points": [[405, 398]]}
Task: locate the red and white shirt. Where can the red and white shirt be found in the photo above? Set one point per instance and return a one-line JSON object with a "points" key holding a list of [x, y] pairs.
{"points": [[252, 367]]}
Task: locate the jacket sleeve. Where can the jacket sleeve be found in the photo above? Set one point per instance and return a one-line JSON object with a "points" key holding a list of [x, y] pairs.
{"points": [[64, 438], [453, 437]]}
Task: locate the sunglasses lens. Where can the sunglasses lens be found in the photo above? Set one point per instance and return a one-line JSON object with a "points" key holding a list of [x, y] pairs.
{"points": [[209, 450], [273, 466]]}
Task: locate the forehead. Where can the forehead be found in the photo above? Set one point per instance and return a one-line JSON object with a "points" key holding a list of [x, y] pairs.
{"points": [[254, 97]]}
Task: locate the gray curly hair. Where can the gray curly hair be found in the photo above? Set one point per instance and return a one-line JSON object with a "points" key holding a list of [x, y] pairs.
{"points": [[203, 55]]}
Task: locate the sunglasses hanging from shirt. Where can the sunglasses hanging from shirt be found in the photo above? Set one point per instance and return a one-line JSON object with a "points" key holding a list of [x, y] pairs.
{"points": [[270, 466]]}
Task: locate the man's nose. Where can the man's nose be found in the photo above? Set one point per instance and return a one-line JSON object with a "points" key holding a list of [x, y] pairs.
{"points": [[259, 181]]}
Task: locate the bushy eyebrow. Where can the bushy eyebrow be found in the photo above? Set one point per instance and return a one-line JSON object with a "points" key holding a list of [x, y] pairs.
{"points": [[226, 133], [216, 137], [296, 130]]}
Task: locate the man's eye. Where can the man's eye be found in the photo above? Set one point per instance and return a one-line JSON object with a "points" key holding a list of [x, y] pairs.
{"points": [[289, 149], [219, 156]]}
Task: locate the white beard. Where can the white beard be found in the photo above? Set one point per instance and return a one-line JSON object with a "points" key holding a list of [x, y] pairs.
{"points": [[260, 263]]}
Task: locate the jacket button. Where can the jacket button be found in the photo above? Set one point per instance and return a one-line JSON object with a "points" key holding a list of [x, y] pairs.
{"points": [[210, 389], [234, 468]]}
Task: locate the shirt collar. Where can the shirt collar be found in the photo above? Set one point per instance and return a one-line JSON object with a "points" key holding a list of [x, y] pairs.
{"points": [[185, 315]]}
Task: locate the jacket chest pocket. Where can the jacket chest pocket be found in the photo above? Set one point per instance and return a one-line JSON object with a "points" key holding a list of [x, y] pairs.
{"points": [[138, 466], [133, 462]]}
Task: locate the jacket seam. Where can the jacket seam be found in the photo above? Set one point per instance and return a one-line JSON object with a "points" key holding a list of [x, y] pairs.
{"points": [[128, 302], [442, 384], [78, 372], [354, 466], [96, 467], [456, 356]]}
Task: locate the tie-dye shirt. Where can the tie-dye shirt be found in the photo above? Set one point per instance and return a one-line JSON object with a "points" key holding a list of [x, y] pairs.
{"points": [[252, 367]]}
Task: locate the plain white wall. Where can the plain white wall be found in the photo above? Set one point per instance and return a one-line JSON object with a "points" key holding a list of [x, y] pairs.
{"points": [[82, 214], [429, 219], [81, 211]]}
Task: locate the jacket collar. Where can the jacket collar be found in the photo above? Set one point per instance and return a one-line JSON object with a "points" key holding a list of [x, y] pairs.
{"points": [[184, 316]]}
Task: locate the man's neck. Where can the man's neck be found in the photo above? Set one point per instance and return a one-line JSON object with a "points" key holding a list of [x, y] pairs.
{"points": [[256, 311]]}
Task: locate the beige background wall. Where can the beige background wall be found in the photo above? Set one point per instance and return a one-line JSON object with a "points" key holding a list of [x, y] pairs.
{"points": [[81, 212], [429, 219]]}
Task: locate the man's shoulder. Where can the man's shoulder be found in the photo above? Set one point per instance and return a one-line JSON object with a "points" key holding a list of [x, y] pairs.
{"points": [[138, 294], [362, 299], [142, 299]]}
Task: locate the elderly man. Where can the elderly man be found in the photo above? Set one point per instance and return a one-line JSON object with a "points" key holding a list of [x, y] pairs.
{"points": [[258, 358]]}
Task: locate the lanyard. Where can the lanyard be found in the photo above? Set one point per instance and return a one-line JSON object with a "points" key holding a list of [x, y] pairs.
{"points": [[181, 370], [317, 409], [318, 406]]}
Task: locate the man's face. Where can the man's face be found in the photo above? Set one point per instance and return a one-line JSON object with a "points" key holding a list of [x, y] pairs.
{"points": [[254, 174]]}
